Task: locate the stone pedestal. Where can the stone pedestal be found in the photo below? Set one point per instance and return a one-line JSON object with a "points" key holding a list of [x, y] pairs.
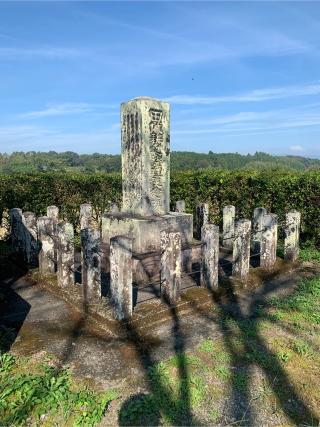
{"points": [[170, 273], [145, 230]]}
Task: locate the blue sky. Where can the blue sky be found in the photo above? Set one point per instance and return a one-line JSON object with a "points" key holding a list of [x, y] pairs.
{"points": [[240, 76]]}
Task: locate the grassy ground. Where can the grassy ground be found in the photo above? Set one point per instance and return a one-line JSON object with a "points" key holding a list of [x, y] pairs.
{"points": [[264, 369]]}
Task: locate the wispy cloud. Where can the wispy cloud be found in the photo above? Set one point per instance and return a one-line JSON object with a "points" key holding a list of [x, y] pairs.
{"points": [[296, 148], [64, 109], [256, 95], [49, 52]]}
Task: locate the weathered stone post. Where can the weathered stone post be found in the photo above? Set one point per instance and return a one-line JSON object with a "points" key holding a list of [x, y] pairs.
{"points": [[85, 215], [268, 245], [202, 217], [91, 263], [121, 276], [170, 269], [53, 212], [180, 206], [114, 208], [65, 254], [292, 233], [16, 234], [46, 238], [229, 214], [241, 249], [210, 255], [257, 228], [30, 237]]}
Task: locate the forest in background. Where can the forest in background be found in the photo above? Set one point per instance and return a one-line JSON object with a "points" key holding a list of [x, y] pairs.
{"points": [[32, 161]]}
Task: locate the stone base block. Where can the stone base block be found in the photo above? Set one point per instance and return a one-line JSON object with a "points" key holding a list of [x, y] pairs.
{"points": [[145, 230]]}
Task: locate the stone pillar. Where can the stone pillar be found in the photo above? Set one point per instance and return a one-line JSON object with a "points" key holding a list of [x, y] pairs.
{"points": [[145, 146], [292, 233], [241, 249], [46, 238], [170, 266], [210, 256], [121, 276], [229, 214], [30, 237], [85, 215], [180, 206], [202, 217], [17, 232], [91, 263], [114, 208], [268, 245], [257, 228], [65, 254], [53, 212]]}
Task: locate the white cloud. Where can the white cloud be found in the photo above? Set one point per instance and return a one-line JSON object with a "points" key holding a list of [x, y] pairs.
{"points": [[296, 148], [256, 95], [68, 108]]}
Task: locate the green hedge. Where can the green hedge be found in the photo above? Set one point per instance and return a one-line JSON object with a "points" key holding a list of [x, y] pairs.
{"points": [[277, 191]]}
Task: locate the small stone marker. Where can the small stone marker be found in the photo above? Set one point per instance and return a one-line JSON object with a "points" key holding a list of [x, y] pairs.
{"points": [[30, 238], [210, 256], [257, 228], [180, 206], [292, 233], [170, 270], [65, 254], [53, 212], [17, 230], [114, 208], [202, 217], [121, 276], [45, 227], [241, 249], [91, 263], [229, 214], [85, 215], [145, 139], [268, 246]]}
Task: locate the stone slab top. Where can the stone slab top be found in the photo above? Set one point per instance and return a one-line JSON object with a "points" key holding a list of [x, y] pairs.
{"points": [[126, 215], [144, 98]]}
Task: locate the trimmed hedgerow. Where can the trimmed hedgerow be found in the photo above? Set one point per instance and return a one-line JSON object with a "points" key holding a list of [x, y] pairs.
{"points": [[278, 191]]}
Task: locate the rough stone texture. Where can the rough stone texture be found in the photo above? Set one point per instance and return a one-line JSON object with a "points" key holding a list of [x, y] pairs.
{"points": [[145, 231], [121, 276], [257, 228], [268, 246], [91, 263], [45, 227], [53, 212], [85, 215], [229, 214], [145, 145], [202, 217], [241, 249], [17, 230], [170, 272], [65, 254], [292, 233], [210, 256], [114, 208], [30, 238], [180, 206]]}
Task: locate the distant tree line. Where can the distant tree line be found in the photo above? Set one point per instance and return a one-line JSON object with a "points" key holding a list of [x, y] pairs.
{"points": [[69, 161]]}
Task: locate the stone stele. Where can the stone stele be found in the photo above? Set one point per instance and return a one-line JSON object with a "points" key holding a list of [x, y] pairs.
{"points": [[145, 144]]}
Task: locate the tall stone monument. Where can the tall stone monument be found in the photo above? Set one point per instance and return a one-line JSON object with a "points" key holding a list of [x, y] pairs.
{"points": [[145, 146]]}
